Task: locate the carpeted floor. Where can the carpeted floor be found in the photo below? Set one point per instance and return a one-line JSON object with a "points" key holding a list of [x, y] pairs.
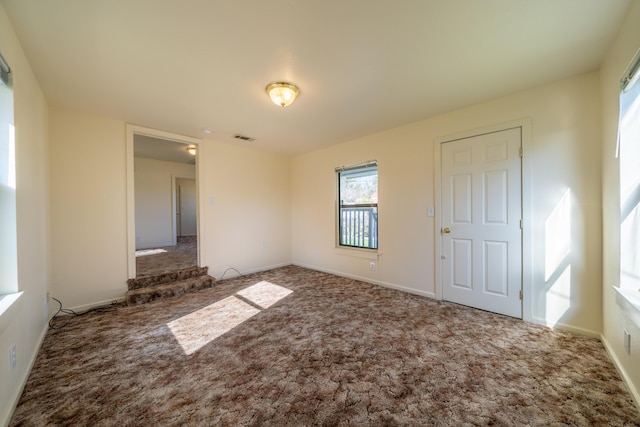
{"points": [[296, 347], [167, 258]]}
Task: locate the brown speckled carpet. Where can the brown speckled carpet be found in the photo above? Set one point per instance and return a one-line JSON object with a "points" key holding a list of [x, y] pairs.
{"points": [[168, 258], [296, 347]]}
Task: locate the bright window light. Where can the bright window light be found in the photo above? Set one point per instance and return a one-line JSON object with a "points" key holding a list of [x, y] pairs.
{"points": [[629, 155], [11, 166], [199, 328], [557, 235], [147, 252], [264, 294]]}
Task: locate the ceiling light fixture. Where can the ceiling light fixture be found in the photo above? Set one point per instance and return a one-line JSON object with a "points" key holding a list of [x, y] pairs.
{"points": [[191, 150], [282, 94]]}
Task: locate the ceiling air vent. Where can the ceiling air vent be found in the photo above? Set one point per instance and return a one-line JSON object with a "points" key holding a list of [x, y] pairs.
{"points": [[243, 138]]}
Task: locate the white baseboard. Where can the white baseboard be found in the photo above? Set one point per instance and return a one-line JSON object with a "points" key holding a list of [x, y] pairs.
{"points": [[89, 306], [6, 417], [566, 327], [623, 373], [368, 280], [231, 273]]}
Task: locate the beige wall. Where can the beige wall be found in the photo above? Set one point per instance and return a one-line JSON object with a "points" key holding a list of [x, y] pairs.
{"points": [[155, 200], [26, 323], [260, 210], [246, 204], [616, 320], [88, 208], [563, 154]]}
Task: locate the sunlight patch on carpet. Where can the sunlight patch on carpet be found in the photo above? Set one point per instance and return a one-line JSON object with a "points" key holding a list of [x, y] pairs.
{"points": [[195, 330], [147, 252], [264, 294]]}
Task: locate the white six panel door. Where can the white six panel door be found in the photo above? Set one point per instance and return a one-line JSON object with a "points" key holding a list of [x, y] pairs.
{"points": [[481, 214]]}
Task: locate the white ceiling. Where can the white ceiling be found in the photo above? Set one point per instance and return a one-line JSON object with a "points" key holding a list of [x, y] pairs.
{"points": [[159, 149], [362, 66]]}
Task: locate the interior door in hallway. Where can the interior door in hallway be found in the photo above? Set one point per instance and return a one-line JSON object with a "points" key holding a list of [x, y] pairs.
{"points": [[481, 222], [187, 207]]}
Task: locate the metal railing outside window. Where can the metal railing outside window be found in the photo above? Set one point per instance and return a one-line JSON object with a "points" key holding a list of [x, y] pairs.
{"points": [[358, 205], [359, 226]]}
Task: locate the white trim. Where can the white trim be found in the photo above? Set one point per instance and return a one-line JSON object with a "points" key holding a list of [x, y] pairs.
{"points": [[623, 373], [367, 280], [174, 210], [174, 206], [437, 223], [132, 130], [629, 301], [566, 327], [95, 304], [358, 252], [232, 274], [8, 308], [527, 216]]}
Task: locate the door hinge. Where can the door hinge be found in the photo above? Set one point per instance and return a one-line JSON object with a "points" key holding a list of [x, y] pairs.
{"points": [[520, 294], [521, 225], [520, 151]]}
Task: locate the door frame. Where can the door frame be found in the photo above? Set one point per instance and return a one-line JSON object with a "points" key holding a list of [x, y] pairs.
{"points": [[175, 202], [131, 131], [527, 216]]}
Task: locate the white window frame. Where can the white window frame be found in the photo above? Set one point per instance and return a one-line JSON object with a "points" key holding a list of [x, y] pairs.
{"points": [[360, 210]]}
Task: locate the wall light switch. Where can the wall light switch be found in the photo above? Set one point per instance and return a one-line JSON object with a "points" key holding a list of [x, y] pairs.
{"points": [[12, 357], [431, 211], [627, 341]]}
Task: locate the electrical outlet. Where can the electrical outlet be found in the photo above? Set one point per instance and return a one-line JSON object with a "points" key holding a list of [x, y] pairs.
{"points": [[627, 341], [372, 266], [12, 357]]}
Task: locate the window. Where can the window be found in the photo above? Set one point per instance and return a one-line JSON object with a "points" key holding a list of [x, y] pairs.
{"points": [[8, 244], [358, 205], [629, 155]]}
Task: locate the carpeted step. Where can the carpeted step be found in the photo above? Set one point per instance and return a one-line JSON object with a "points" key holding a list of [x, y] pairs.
{"points": [[171, 276], [168, 290]]}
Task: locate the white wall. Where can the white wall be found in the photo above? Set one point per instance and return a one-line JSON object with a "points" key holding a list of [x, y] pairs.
{"points": [[26, 323], [154, 200], [247, 209], [88, 208], [616, 320], [564, 154]]}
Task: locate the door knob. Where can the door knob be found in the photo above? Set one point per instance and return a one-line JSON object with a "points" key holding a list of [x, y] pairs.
{"points": [[446, 230]]}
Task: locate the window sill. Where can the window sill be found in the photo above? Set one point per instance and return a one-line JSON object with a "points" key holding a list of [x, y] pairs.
{"points": [[358, 253], [629, 301], [8, 309]]}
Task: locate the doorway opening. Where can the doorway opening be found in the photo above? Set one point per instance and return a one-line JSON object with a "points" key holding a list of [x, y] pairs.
{"points": [[162, 195]]}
